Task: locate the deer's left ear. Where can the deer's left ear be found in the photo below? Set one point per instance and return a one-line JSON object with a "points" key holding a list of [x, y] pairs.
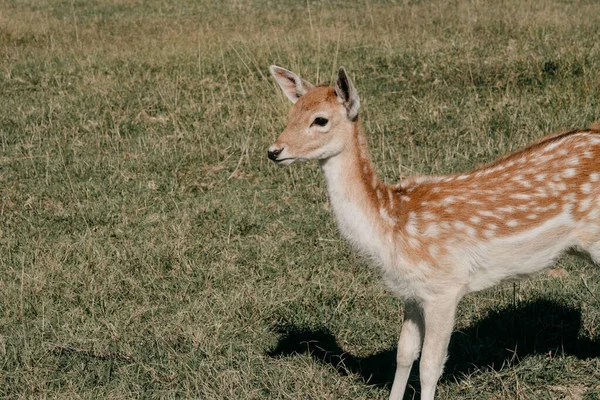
{"points": [[347, 94], [292, 85]]}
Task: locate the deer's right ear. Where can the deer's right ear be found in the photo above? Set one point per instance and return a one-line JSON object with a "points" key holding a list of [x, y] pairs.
{"points": [[292, 85]]}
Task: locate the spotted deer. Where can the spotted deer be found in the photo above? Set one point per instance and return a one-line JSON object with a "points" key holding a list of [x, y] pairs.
{"points": [[437, 238]]}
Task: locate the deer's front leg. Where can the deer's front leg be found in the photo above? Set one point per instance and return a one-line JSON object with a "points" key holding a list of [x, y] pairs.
{"points": [[409, 346], [439, 319]]}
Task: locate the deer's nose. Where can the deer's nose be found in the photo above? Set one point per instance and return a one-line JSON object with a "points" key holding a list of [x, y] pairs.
{"points": [[272, 154]]}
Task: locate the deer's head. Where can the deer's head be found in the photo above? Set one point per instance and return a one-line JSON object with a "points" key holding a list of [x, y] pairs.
{"points": [[320, 121]]}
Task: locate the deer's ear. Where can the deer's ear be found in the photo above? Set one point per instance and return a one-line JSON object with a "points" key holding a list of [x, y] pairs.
{"points": [[292, 85], [347, 94]]}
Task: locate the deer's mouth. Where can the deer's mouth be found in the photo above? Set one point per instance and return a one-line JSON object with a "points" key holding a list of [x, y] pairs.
{"points": [[284, 161]]}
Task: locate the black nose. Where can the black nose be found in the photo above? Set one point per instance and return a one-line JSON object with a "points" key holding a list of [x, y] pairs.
{"points": [[273, 154]]}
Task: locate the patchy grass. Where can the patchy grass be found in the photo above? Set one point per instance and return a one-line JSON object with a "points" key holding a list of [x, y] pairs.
{"points": [[149, 249]]}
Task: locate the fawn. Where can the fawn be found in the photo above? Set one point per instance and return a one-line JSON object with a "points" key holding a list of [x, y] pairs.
{"points": [[437, 238]]}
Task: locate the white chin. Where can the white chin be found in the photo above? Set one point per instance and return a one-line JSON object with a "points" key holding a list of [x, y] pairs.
{"points": [[285, 162]]}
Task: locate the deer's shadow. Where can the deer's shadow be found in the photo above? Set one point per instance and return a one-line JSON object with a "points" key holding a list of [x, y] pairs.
{"points": [[503, 337]]}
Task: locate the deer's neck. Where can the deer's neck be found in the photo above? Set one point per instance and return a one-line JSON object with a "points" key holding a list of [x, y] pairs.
{"points": [[361, 202]]}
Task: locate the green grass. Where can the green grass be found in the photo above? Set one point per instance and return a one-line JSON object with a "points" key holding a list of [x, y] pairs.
{"points": [[148, 249]]}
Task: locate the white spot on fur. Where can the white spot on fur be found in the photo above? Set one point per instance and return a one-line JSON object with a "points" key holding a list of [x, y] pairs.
{"points": [[448, 200], [585, 204], [547, 208], [594, 177], [521, 196], [586, 188], [475, 219], [489, 234], [540, 192], [471, 231], [434, 250], [540, 177], [573, 161], [387, 217], [559, 187], [487, 213], [512, 223], [432, 230], [428, 216], [475, 202], [569, 172], [543, 159], [525, 183], [411, 224], [506, 209], [458, 225], [570, 197], [551, 146]]}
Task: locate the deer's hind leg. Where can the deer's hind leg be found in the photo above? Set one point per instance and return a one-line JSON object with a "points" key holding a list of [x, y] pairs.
{"points": [[593, 251], [589, 244]]}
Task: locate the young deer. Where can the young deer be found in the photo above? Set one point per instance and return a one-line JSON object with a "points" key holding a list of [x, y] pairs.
{"points": [[437, 238]]}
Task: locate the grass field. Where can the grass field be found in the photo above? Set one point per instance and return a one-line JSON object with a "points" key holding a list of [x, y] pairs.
{"points": [[148, 249]]}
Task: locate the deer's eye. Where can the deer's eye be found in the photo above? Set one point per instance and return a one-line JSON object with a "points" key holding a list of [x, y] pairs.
{"points": [[320, 121]]}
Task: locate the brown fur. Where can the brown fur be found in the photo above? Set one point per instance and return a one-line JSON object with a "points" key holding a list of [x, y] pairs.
{"points": [[489, 201], [497, 198]]}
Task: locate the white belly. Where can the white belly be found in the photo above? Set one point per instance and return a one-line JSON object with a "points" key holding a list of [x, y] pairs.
{"points": [[521, 255]]}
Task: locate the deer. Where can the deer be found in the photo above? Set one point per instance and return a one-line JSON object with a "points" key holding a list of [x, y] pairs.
{"points": [[435, 239]]}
